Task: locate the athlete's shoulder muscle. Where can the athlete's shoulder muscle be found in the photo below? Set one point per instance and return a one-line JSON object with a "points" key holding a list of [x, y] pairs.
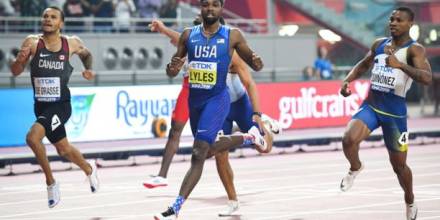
{"points": [[32, 41], [376, 43], [236, 36], [75, 44], [416, 49]]}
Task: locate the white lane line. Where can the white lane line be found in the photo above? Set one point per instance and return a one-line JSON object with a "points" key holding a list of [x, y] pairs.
{"points": [[430, 217], [296, 165], [146, 201], [208, 187], [241, 174], [302, 176], [329, 211]]}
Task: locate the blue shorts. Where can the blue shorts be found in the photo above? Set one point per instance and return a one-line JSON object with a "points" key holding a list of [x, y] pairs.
{"points": [[207, 118], [394, 127], [240, 112]]}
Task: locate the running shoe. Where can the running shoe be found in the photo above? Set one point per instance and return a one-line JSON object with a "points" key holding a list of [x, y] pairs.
{"points": [[231, 208], [347, 181], [53, 194], [271, 124], [156, 181], [411, 211], [169, 214], [93, 178], [258, 140]]}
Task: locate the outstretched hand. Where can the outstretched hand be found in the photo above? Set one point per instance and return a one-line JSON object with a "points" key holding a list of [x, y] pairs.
{"points": [[156, 26]]}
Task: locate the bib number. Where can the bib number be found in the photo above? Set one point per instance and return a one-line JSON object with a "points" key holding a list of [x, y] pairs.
{"points": [[202, 75], [404, 138], [47, 89], [383, 77]]}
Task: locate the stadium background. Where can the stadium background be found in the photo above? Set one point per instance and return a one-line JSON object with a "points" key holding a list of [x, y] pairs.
{"points": [[116, 117], [131, 90]]}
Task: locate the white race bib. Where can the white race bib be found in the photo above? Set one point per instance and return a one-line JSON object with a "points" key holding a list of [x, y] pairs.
{"points": [[383, 77], [47, 89]]}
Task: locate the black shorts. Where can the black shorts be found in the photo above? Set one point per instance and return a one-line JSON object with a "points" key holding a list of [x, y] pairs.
{"points": [[53, 116]]}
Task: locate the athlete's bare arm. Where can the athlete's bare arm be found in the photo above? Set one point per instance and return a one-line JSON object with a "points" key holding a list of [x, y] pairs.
{"points": [[28, 49], [178, 58], [360, 68], [77, 47], [240, 45], [240, 67], [420, 70], [158, 26]]}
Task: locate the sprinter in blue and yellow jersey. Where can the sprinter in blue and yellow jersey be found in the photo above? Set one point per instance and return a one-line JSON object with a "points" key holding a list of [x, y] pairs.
{"points": [[396, 61], [209, 48]]}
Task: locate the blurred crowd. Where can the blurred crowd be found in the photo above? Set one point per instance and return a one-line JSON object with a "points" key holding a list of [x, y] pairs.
{"points": [[121, 10], [322, 69]]}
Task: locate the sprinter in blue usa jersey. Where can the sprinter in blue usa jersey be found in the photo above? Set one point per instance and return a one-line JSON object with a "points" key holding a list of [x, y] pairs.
{"points": [[396, 61], [208, 48]]}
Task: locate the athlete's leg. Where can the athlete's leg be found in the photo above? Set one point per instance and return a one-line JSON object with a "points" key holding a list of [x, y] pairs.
{"points": [[192, 177], [244, 119], [226, 174], [240, 112], [396, 140], [222, 159], [68, 151], [56, 133], [205, 128], [34, 140], [404, 174], [263, 144], [171, 146], [358, 129], [228, 142], [178, 120], [355, 132]]}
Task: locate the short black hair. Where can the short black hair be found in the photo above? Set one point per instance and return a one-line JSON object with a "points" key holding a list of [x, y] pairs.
{"points": [[221, 1], [58, 9], [407, 10]]}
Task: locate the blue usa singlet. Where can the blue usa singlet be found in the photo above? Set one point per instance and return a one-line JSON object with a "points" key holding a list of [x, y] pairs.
{"points": [[208, 62], [208, 65]]}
